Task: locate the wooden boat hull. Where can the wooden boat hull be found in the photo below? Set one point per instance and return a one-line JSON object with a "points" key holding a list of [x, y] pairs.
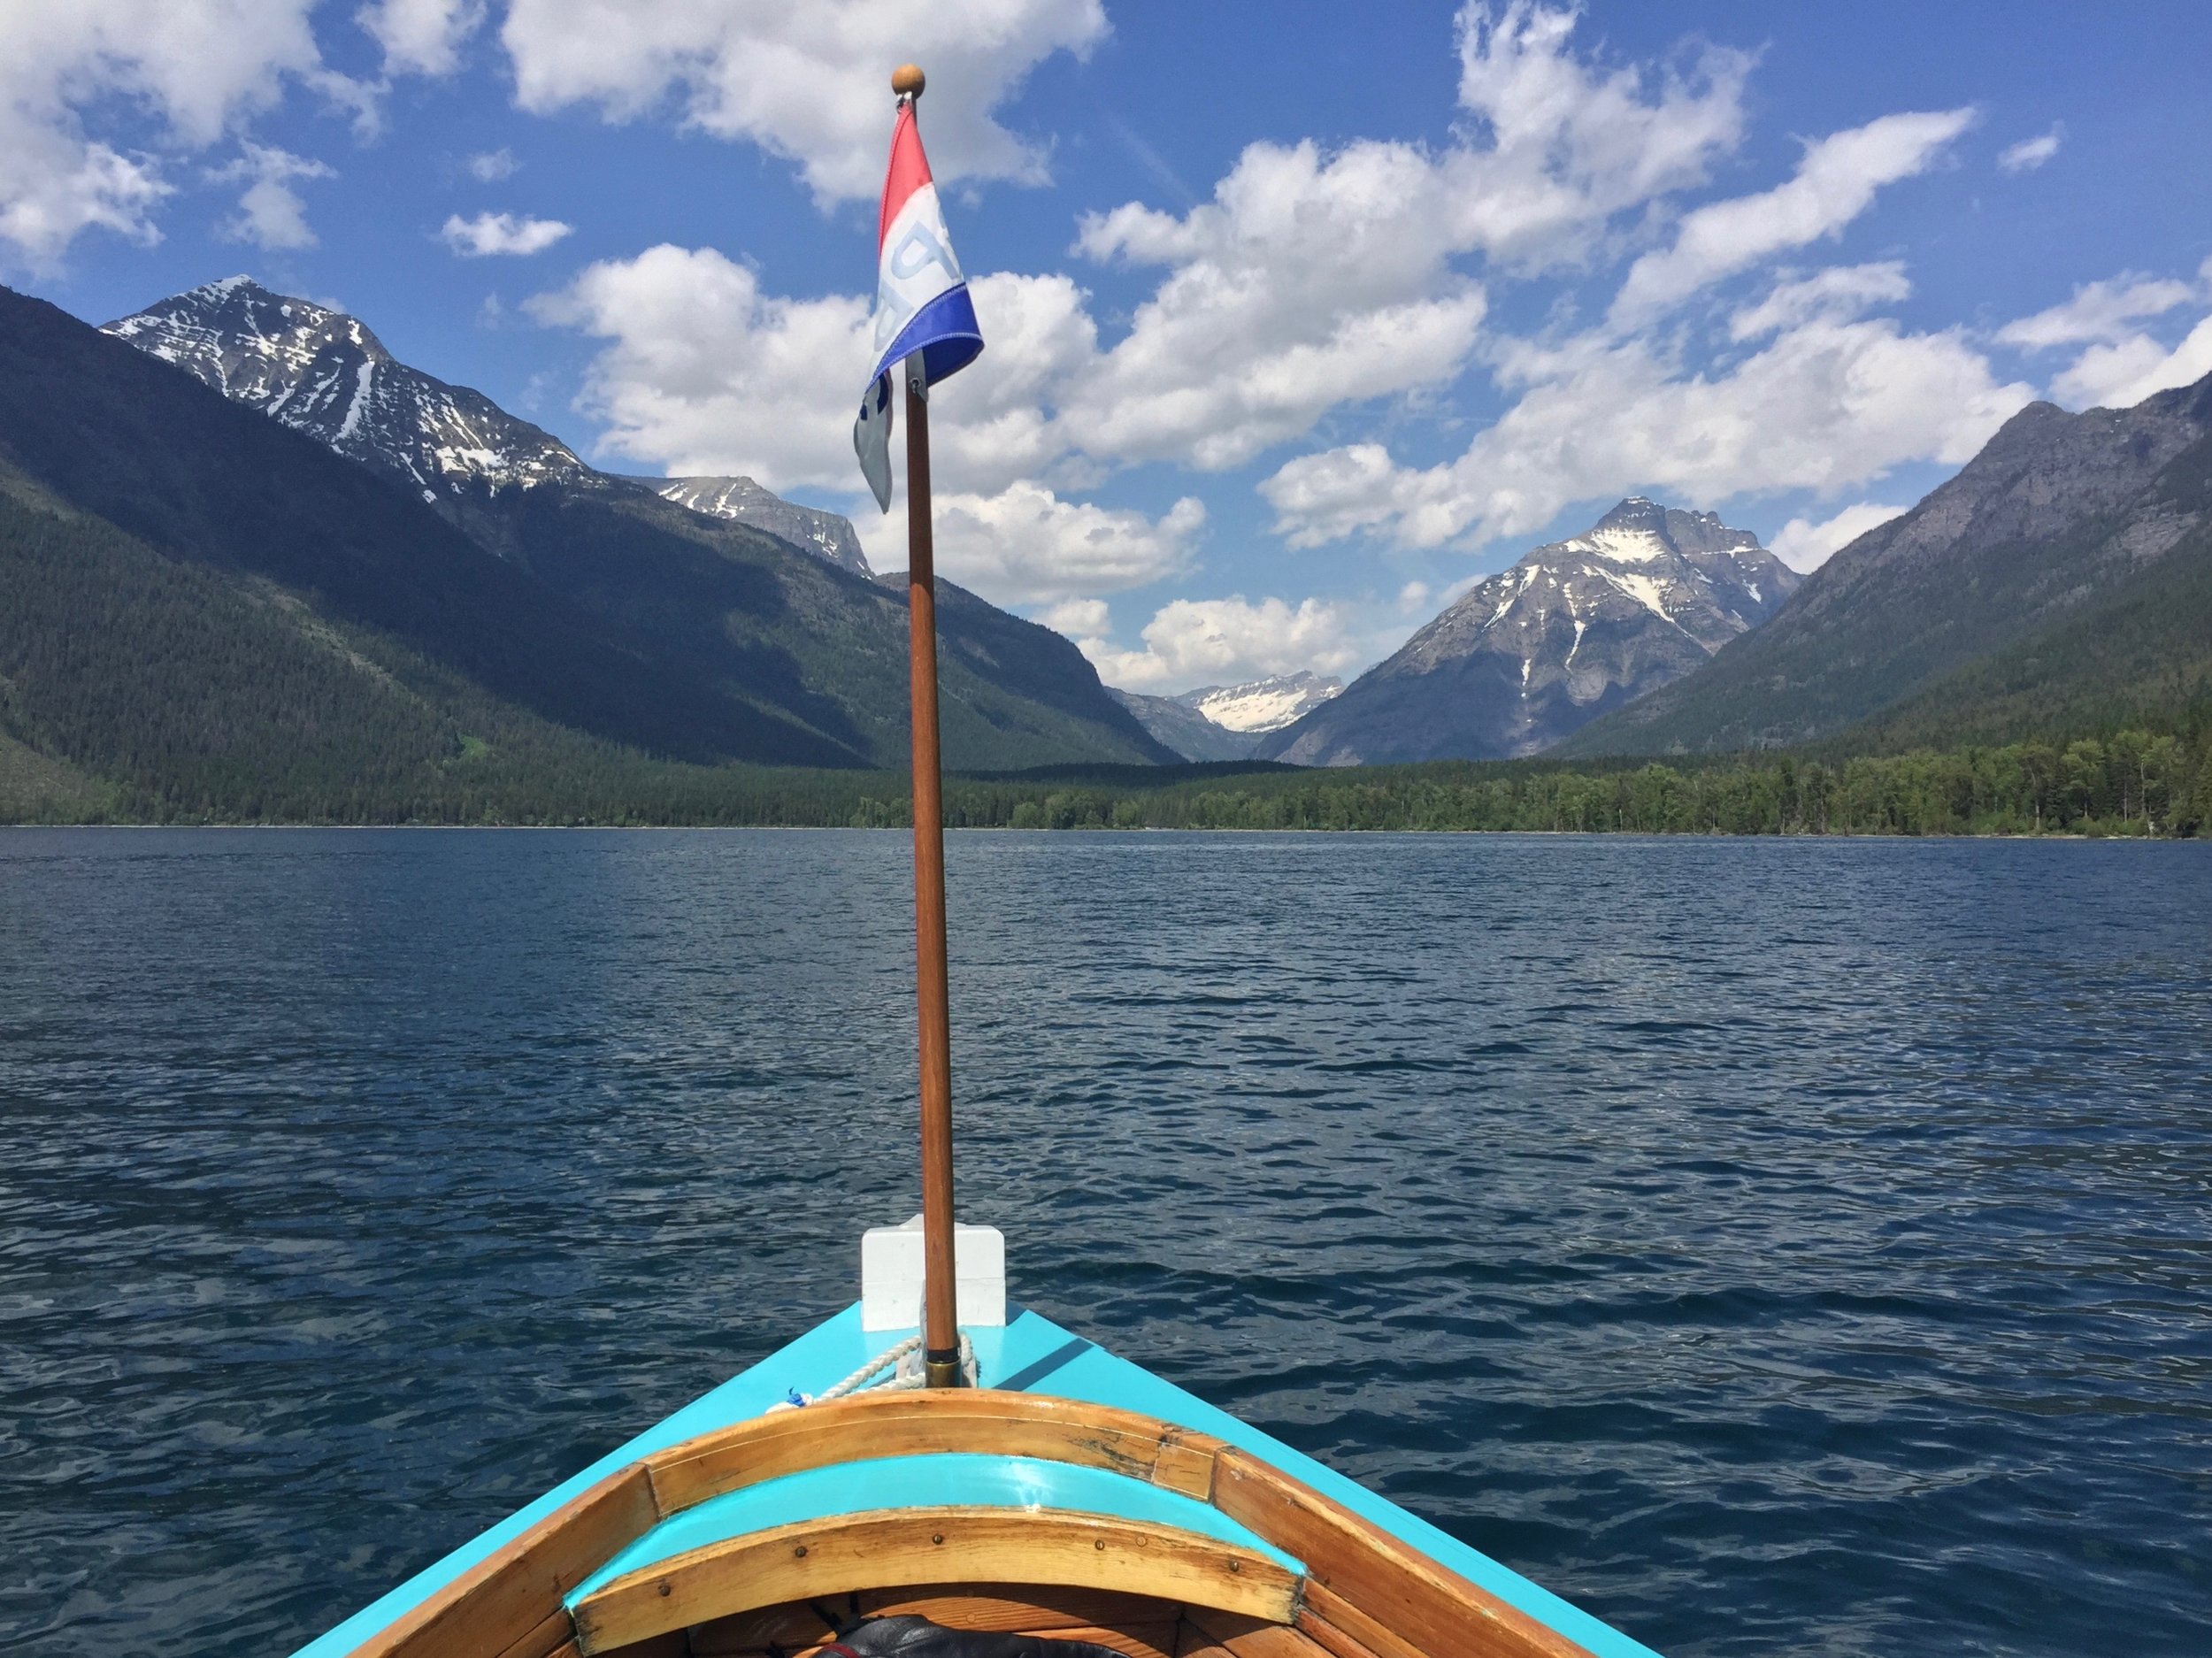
{"points": [[1073, 1496]]}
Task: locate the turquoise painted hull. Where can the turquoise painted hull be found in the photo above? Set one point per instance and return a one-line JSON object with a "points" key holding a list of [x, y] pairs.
{"points": [[1029, 1353]]}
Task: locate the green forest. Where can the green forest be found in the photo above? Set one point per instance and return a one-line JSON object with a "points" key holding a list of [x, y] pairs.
{"points": [[2126, 783]]}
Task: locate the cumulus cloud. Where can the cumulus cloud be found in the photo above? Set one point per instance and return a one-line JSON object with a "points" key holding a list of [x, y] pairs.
{"points": [[1079, 619], [1825, 405], [1310, 280], [199, 67], [421, 37], [271, 213], [490, 233], [2122, 374], [2031, 153], [2120, 365], [1562, 146], [703, 372], [1804, 544], [1027, 546], [807, 82], [1835, 182], [1190, 643]]}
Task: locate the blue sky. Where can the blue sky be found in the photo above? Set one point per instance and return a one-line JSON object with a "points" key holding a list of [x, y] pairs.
{"points": [[1299, 316]]}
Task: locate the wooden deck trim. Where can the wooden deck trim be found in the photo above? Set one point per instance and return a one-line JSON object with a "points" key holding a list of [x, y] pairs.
{"points": [[1374, 1591], [1393, 1587], [506, 1598], [972, 1421], [890, 1547]]}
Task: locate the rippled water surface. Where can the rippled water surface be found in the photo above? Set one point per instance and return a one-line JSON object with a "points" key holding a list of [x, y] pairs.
{"points": [[1776, 1247]]}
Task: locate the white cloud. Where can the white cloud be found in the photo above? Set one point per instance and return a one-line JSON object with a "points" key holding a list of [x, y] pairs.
{"points": [[489, 234], [2031, 153], [1561, 147], [1825, 406], [1838, 293], [1191, 642], [1834, 183], [2121, 375], [809, 82], [1310, 280], [1315, 279], [494, 165], [1079, 619], [2120, 365], [1305, 283], [2098, 310], [270, 213], [705, 373], [1804, 544], [1025, 545], [199, 67], [421, 37]]}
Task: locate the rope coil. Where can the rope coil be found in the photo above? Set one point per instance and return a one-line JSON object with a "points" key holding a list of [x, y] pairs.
{"points": [[903, 1359]]}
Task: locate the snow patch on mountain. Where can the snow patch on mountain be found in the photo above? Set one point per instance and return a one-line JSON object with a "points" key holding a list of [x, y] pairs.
{"points": [[1263, 705]]}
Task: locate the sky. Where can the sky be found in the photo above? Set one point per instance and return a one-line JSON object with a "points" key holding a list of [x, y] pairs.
{"points": [[1299, 318]]}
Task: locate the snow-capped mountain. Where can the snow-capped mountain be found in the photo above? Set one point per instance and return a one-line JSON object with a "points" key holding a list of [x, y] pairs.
{"points": [[1263, 705], [1227, 722], [829, 534], [324, 373], [1575, 628]]}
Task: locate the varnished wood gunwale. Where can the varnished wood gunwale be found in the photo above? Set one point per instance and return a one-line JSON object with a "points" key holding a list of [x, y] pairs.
{"points": [[1368, 1587], [889, 1547], [1389, 1582], [973, 1421]]}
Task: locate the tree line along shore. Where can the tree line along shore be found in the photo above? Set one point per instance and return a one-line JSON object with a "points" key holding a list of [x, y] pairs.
{"points": [[2126, 782]]}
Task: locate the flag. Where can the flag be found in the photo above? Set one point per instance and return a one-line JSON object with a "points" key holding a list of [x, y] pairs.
{"points": [[922, 306]]}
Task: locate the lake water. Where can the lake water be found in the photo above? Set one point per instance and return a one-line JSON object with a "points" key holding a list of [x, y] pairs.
{"points": [[1773, 1246]]}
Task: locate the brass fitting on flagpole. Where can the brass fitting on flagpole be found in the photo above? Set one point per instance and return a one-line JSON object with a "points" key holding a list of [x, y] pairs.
{"points": [[908, 80]]}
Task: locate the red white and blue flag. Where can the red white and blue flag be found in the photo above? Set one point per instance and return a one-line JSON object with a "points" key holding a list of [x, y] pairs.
{"points": [[923, 312]]}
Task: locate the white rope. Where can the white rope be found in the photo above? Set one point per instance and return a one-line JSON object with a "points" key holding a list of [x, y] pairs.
{"points": [[882, 1361], [906, 1357]]}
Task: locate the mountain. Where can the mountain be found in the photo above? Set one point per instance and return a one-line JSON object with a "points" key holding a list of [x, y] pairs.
{"points": [[1183, 729], [1988, 582], [827, 534], [1228, 722], [740, 632], [1573, 629], [322, 373], [1259, 706]]}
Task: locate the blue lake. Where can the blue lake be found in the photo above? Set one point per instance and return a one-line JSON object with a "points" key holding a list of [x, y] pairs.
{"points": [[1773, 1246]]}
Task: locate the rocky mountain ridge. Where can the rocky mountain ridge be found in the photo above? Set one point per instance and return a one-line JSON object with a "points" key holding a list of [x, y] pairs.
{"points": [[1573, 628], [2058, 513], [325, 373], [828, 535]]}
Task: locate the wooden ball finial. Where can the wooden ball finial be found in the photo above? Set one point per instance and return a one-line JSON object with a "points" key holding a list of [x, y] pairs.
{"points": [[908, 80]]}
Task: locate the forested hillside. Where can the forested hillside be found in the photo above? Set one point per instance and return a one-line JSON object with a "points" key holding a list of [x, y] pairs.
{"points": [[206, 613]]}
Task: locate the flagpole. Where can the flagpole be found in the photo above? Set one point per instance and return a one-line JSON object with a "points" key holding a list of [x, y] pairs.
{"points": [[940, 1329]]}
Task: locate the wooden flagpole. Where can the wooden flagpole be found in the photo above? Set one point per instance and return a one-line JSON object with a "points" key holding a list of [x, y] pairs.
{"points": [[940, 1329]]}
